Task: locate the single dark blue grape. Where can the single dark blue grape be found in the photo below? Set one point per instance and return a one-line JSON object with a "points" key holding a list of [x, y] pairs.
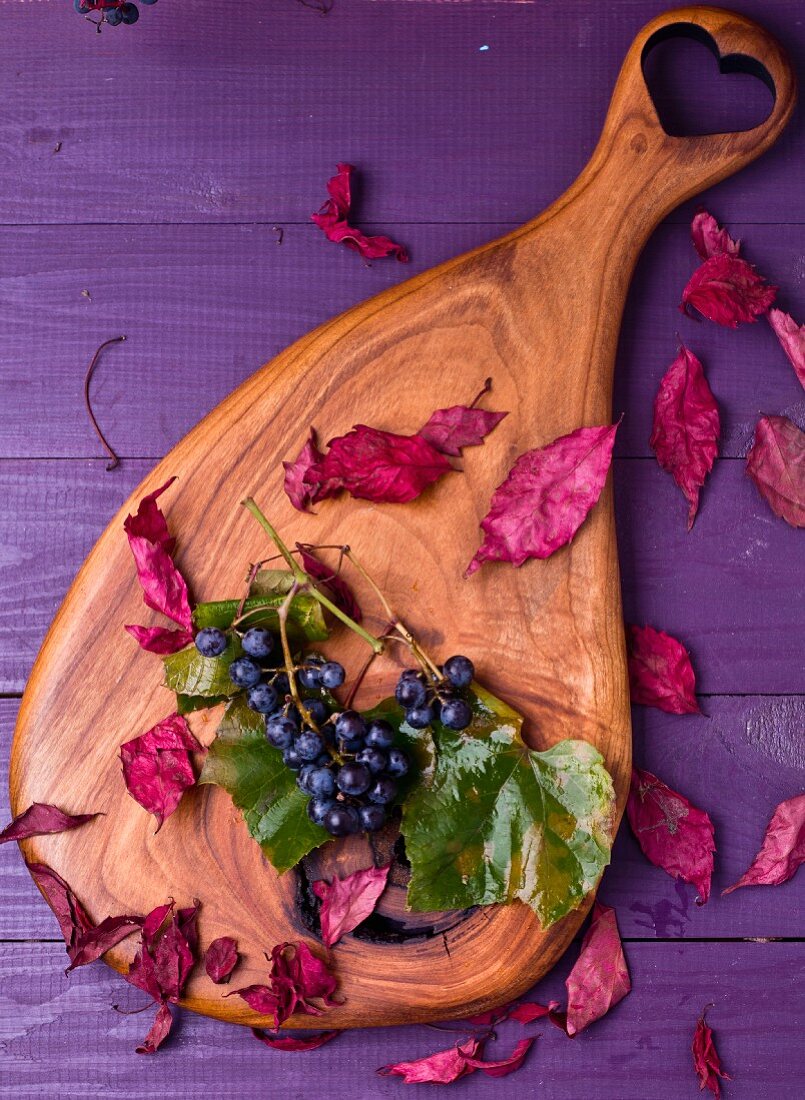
{"points": [[410, 693], [113, 17], [382, 791], [129, 13], [322, 782], [349, 726], [262, 698], [309, 677], [353, 778], [258, 643], [317, 809], [291, 759], [245, 672], [303, 778], [332, 675], [374, 759], [397, 762], [460, 671], [210, 642], [419, 717], [372, 818], [341, 820], [317, 710], [282, 683], [280, 731], [308, 745], [380, 734], [456, 714]]}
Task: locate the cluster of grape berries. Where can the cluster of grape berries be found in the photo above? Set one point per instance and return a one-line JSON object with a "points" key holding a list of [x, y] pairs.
{"points": [[113, 12], [347, 766], [426, 700]]}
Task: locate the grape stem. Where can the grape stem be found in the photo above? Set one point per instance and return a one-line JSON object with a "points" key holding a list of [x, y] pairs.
{"points": [[306, 582]]}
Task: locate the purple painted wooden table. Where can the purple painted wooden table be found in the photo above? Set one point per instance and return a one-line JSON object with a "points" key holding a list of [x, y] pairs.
{"points": [[141, 174]]}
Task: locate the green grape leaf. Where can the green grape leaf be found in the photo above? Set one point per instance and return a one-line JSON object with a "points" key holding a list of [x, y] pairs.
{"points": [[242, 762], [305, 622], [186, 704], [188, 673], [496, 821]]}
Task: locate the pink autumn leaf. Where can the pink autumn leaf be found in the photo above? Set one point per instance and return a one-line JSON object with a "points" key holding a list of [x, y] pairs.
{"points": [[660, 672], [41, 819], [157, 768], [333, 220], [600, 977], [782, 850], [96, 941], [289, 1042], [160, 639], [68, 910], [345, 902], [504, 1066], [303, 486], [792, 338], [342, 594], [728, 290], [164, 587], [546, 497], [686, 427], [672, 833], [441, 1068], [528, 1011], [296, 977], [448, 430], [221, 958], [159, 1031], [776, 464], [706, 1061], [711, 240], [379, 466]]}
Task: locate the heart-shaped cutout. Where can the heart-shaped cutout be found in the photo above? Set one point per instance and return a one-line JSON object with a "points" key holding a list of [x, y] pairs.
{"points": [[696, 91]]}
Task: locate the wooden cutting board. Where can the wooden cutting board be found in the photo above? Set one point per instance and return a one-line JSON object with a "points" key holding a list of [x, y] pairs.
{"points": [[537, 311]]}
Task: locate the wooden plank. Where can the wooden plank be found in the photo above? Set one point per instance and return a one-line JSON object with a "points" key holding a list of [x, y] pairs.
{"points": [[59, 1036], [738, 762], [244, 119], [204, 306], [737, 603]]}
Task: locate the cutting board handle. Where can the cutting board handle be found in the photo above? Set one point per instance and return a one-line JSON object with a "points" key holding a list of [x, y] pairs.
{"points": [[652, 171]]}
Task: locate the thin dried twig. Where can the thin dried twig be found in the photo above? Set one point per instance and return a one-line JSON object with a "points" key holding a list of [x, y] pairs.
{"points": [[114, 459]]}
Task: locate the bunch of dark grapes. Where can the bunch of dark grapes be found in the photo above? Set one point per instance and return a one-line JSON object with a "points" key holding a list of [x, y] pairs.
{"points": [[427, 699], [113, 12], [347, 766]]}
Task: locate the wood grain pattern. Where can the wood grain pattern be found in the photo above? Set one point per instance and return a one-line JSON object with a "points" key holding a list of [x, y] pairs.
{"points": [[498, 310], [61, 1038]]}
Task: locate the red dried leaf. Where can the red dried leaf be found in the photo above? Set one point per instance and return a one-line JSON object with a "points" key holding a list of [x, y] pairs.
{"points": [[782, 850], [546, 497], [792, 337], [160, 1029], [505, 1066], [686, 427], [221, 958], [728, 290], [157, 766], [490, 1018], [164, 587], [672, 833], [288, 1042], [333, 219], [776, 464], [600, 977], [705, 1058], [94, 942], [42, 819], [448, 430], [160, 639], [339, 589], [441, 1068], [303, 486], [296, 976], [529, 1011], [660, 672], [345, 902], [710, 240], [379, 466], [70, 913]]}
